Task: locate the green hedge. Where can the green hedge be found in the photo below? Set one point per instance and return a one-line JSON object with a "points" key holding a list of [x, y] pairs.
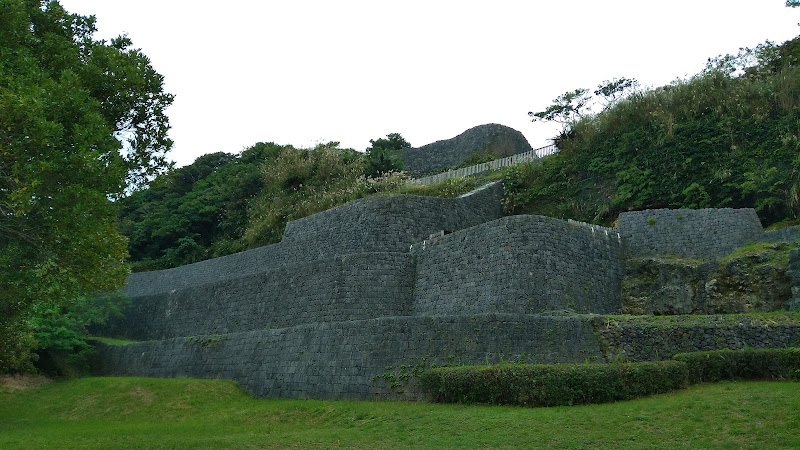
{"points": [[751, 364], [552, 385]]}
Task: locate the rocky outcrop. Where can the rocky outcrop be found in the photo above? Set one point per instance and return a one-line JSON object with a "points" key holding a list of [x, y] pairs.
{"points": [[664, 286], [753, 282], [490, 139], [754, 279]]}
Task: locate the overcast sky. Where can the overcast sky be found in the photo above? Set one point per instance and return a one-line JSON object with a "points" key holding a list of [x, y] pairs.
{"points": [[303, 72]]}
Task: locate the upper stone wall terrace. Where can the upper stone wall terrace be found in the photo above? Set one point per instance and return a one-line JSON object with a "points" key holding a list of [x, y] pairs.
{"points": [[693, 233]]}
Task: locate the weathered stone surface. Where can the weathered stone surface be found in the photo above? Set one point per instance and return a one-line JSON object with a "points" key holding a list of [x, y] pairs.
{"points": [[645, 340], [487, 139], [701, 233], [354, 296], [664, 286], [754, 282]]}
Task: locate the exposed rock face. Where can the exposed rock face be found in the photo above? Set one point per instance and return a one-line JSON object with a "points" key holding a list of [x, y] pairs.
{"points": [[661, 286], [756, 281], [750, 283], [490, 139]]}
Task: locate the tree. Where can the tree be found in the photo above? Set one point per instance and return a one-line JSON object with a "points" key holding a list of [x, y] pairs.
{"points": [[383, 155], [81, 121], [566, 108]]}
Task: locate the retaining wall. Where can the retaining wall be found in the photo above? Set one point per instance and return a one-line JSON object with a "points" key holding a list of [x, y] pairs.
{"points": [[351, 287], [349, 359], [354, 293], [646, 342], [376, 224], [388, 223], [700, 233], [519, 264]]}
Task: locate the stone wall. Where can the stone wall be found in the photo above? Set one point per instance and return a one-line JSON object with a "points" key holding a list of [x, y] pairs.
{"points": [[654, 341], [354, 296], [351, 287], [388, 223], [487, 139], [376, 224], [352, 359], [700, 233], [520, 264]]}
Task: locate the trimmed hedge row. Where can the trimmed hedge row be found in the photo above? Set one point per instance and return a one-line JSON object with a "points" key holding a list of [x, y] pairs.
{"points": [[573, 384], [750, 364], [552, 385]]}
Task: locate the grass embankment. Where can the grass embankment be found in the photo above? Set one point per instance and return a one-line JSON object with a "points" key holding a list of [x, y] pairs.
{"points": [[139, 412]]}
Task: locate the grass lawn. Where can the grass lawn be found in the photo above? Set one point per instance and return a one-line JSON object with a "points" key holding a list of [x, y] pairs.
{"points": [[187, 413]]}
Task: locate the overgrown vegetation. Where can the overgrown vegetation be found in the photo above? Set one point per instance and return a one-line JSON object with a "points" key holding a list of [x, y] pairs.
{"points": [[727, 137], [225, 203]]}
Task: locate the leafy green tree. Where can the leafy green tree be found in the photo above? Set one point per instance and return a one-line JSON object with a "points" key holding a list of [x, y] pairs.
{"points": [[566, 108], [572, 105], [80, 121], [384, 155]]}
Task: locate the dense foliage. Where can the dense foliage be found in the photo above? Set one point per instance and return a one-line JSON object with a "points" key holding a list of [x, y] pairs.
{"points": [[64, 97], [552, 385], [570, 384], [727, 137], [225, 203], [384, 155], [748, 364]]}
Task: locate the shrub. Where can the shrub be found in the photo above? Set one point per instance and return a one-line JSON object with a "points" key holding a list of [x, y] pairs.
{"points": [[552, 385], [750, 364]]}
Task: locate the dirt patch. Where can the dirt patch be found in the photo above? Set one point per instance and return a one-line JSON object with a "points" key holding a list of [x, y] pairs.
{"points": [[17, 381]]}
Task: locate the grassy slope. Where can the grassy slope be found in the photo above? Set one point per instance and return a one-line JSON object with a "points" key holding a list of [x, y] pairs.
{"points": [[139, 412]]}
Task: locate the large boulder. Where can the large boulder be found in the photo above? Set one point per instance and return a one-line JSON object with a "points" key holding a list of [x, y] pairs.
{"points": [[490, 139]]}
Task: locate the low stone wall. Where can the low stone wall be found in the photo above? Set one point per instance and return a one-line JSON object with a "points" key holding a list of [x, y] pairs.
{"points": [[520, 264], [354, 359], [654, 341], [693, 233]]}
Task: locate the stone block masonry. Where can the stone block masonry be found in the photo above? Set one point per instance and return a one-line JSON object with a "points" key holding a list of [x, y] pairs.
{"points": [[355, 294], [701, 233], [347, 359], [519, 264]]}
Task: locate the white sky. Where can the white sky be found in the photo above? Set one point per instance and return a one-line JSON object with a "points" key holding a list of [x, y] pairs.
{"points": [[302, 72]]}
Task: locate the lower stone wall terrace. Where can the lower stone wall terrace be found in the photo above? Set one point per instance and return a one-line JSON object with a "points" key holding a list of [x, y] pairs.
{"points": [[352, 359], [659, 341]]}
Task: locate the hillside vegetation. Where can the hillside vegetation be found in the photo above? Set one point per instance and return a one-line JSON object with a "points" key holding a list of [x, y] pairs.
{"points": [[726, 137]]}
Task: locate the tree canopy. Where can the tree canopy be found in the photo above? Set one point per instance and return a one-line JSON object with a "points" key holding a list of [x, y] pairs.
{"points": [[81, 121]]}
